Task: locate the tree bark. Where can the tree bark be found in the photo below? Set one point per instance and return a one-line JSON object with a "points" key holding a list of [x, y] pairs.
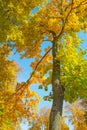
{"points": [[58, 92]]}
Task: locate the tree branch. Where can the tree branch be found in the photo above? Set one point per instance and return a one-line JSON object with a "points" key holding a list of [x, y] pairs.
{"points": [[25, 84], [72, 2], [57, 37]]}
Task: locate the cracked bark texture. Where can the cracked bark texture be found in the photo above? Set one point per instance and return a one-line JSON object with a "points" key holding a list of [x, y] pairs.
{"points": [[58, 92]]}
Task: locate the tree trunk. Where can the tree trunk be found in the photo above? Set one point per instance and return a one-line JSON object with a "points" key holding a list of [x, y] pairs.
{"points": [[58, 92]]}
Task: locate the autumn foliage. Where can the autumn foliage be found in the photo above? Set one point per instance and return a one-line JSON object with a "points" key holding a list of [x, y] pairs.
{"points": [[12, 106], [24, 26], [42, 120]]}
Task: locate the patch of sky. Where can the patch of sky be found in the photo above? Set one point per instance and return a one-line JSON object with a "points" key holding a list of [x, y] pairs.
{"points": [[42, 93], [35, 10], [45, 37], [24, 125], [83, 36], [12, 43], [83, 45], [24, 63], [67, 113], [85, 56], [45, 44]]}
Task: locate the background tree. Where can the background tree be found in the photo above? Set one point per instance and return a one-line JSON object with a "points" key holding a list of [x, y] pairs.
{"points": [[76, 114], [12, 107], [58, 22], [42, 120], [8, 70]]}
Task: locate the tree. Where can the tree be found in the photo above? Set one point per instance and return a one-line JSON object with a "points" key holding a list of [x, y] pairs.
{"points": [[42, 120], [7, 83], [58, 22], [12, 107], [76, 113]]}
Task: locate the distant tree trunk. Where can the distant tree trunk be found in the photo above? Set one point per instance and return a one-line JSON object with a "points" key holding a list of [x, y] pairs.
{"points": [[58, 92]]}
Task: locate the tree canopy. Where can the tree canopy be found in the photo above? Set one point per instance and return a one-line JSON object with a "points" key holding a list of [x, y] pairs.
{"points": [[25, 25]]}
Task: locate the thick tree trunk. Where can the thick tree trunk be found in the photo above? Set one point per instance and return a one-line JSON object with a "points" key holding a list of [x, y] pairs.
{"points": [[58, 92]]}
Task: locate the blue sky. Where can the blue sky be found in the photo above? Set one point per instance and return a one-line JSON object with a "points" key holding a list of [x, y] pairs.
{"points": [[24, 64]]}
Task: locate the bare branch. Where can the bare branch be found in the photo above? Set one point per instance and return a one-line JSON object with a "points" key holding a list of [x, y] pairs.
{"points": [[46, 41], [28, 81]]}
